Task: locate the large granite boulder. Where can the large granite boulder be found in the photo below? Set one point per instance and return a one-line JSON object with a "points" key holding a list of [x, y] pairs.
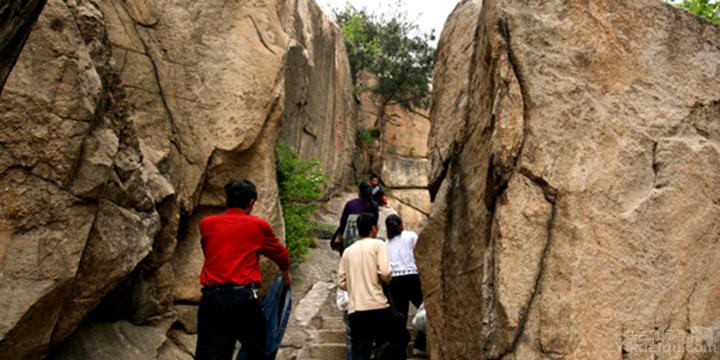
{"points": [[404, 172], [319, 119], [406, 131], [120, 122], [575, 155]]}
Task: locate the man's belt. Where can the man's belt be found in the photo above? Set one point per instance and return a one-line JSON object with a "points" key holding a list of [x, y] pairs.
{"points": [[250, 286]]}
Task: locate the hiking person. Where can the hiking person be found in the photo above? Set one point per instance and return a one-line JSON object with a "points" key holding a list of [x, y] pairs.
{"points": [[347, 233], [229, 308], [405, 284], [377, 191], [364, 267]]}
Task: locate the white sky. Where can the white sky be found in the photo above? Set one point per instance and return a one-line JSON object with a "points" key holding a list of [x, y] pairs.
{"points": [[430, 14]]}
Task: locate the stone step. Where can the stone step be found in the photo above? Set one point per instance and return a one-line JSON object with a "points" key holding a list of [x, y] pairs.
{"points": [[330, 336], [331, 323], [327, 351]]}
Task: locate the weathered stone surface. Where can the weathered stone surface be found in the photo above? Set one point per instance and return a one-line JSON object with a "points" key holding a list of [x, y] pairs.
{"points": [[412, 205], [403, 132], [187, 260], [95, 166], [119, 241], [452, 75], [403, 172], [416, 198], [234, 90], [331, 211], [319, 119], [406, 131], [19, 17], [575, 170], [171, 351], [186, 342], [187, 317], [368, 108], [119, 125], [118, 340], [49, 98], [413, 219], [42, 236]]}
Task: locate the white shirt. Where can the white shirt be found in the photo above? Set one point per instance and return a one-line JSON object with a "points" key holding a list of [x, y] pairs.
{"points": [[401, 252]]}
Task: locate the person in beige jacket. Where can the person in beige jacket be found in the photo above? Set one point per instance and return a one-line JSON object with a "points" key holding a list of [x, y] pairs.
{"points": [[364, 268]]}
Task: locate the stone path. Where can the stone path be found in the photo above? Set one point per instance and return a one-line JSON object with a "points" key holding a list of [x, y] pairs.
{"points": [[316, 330]]}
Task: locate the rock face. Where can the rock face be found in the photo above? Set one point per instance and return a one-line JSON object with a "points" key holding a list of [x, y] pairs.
{"points": [[403, 133], [396, 149], [119, 125], [575, 155], [18, 18], [319, 105], [404, 172]]}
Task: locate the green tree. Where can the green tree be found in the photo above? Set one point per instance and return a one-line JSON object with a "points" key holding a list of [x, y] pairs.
{"points": [[707, 9], [393, 48], [300, 184]]}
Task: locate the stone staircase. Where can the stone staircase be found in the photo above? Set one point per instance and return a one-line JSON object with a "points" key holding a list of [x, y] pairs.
{"points": [[316, 330], [327, 334]]}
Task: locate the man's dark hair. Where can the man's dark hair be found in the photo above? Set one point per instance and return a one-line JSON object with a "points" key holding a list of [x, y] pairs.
{"points": [[365, 191], [365, 222], [239, 194], [373, 176]]}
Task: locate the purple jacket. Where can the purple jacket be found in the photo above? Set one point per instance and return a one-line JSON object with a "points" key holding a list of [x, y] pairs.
{"points": [[352, 207]]}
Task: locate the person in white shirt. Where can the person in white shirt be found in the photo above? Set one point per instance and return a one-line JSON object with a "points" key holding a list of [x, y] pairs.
{"points": [[405, 284]]}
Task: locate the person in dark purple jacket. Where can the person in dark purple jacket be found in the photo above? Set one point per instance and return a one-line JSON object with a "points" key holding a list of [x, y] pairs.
{"points": [[361, 205]]}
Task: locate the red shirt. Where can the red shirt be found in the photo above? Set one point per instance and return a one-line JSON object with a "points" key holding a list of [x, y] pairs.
{"points": [[232, 242]]}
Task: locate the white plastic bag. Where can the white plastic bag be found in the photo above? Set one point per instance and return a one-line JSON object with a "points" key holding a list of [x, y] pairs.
{"points": [[342, 299], [420, 318]]}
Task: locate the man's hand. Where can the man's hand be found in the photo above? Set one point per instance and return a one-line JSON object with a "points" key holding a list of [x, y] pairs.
{"points": [[286, 278]]}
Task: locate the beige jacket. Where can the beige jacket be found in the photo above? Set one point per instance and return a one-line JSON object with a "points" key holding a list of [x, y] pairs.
{"points": [[362, 268]]}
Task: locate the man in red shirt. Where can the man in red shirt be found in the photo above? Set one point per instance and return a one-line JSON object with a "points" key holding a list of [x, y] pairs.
{"points": [[230, 309]]}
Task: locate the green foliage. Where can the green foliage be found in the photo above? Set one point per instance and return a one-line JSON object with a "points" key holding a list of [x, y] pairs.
{"points": [[367, 136], [392, 150], [411, 151], [707, 9], [300, 184], [391, 47]]}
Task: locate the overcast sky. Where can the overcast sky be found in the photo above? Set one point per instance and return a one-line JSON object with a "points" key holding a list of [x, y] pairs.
{"points": [[430, 14]]}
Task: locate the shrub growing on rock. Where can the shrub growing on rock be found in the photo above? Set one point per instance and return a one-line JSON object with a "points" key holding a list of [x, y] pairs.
{"points": [[300, 184], [707, 9]]}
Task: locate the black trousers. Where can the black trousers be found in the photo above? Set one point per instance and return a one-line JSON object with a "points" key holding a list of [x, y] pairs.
{"points": [[226, 315], [369, 326], [404, 290]]}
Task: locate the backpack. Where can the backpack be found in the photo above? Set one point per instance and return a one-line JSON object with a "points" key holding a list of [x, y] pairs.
{"points": [[351, 233]]}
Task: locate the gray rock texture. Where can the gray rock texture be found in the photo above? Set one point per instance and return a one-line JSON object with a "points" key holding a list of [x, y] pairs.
{"points": [[575, 153], [319, 118]]}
